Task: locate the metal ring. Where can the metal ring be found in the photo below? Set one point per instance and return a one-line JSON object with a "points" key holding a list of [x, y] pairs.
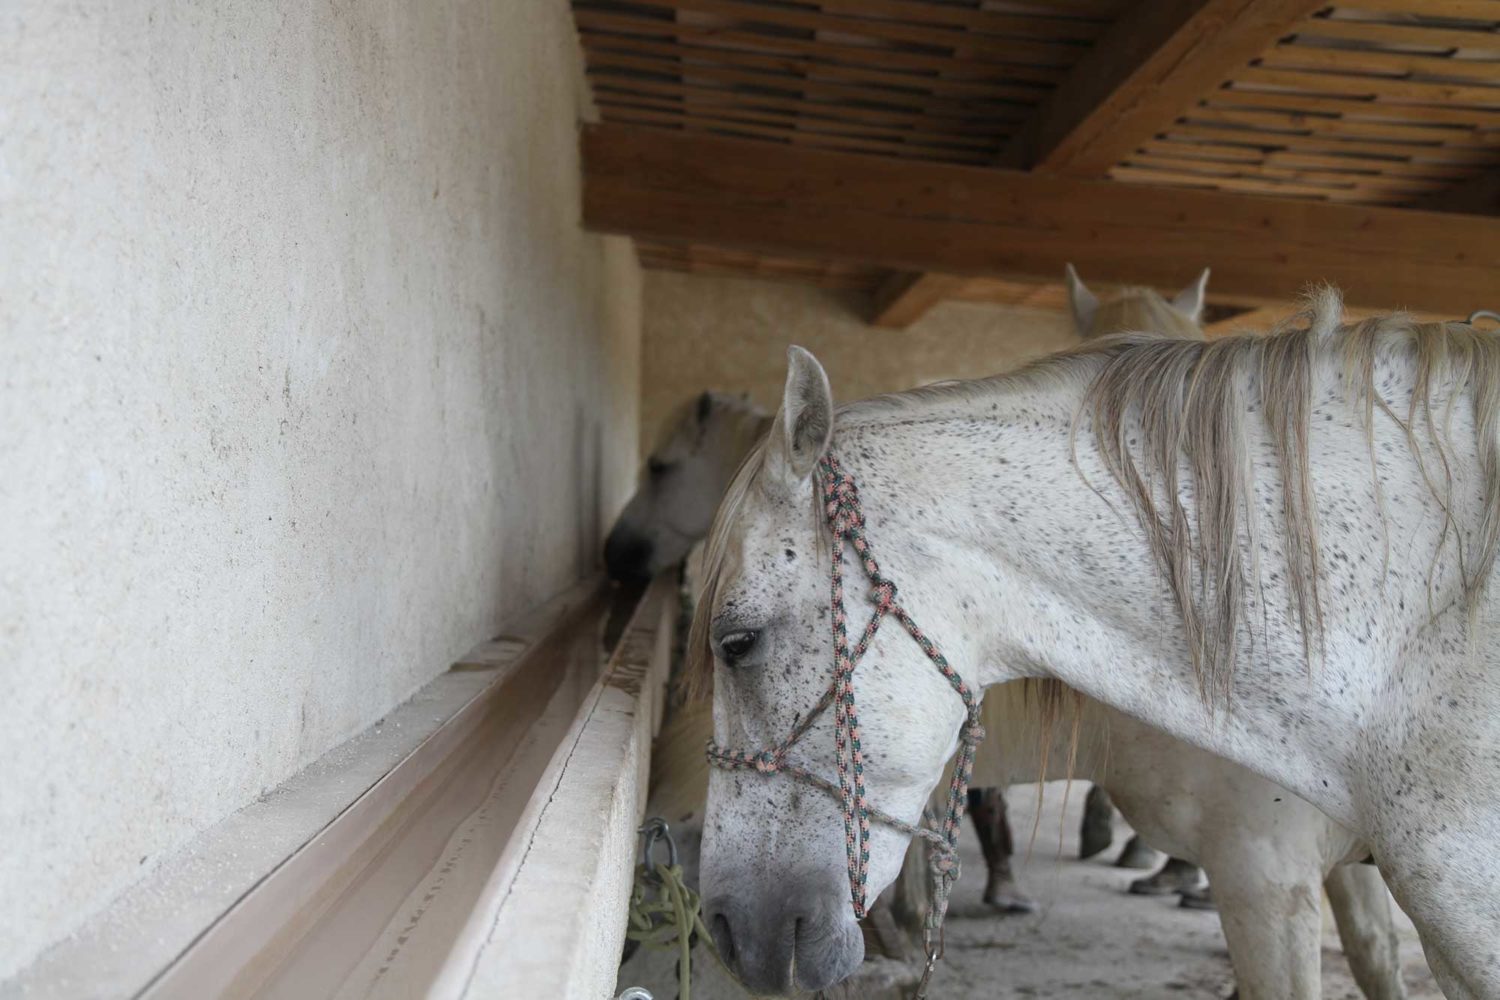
{"points": [[653, 830]]}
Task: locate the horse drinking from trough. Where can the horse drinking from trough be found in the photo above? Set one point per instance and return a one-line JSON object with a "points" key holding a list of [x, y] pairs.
{"points": [[1274, 549]]}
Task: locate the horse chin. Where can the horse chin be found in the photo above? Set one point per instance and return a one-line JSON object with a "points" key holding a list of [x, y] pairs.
{"points": [[828, 955]]}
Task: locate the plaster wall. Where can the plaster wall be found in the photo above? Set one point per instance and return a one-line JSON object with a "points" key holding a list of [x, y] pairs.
{"points": [[731, 334], [308, 380]]}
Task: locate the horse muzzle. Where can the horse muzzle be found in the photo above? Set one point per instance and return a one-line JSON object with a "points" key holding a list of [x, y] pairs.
{"points": [[628, 556], [789, 938]]}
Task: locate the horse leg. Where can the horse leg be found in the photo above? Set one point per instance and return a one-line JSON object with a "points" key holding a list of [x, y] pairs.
{"points": [[1097, 829], [987, 806], [1271, 913], [1198, 899], [1445, 882], [1362, 909], [1137, 854]]}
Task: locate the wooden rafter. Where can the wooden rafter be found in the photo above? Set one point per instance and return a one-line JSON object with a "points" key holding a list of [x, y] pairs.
{"points": [[1479, 195], [1153, 64], [916, 216], [1148, 68], [906, 298], [1362, 102]]}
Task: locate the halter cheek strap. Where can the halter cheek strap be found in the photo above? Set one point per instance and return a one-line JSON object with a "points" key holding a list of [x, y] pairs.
{"points": [[846, 522]]}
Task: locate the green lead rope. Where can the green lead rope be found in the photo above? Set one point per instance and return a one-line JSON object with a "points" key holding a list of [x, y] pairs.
{"points": [[664, 913]]}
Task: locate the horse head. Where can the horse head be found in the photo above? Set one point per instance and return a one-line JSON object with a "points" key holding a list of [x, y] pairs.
{"points": [[786, 869], [1137, 310], [684, 478]]}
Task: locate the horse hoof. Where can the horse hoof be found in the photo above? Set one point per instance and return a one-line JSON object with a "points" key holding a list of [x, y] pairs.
{"points": [[1176, 876], [1198, 899], [1136, 855], [1006, 898]]}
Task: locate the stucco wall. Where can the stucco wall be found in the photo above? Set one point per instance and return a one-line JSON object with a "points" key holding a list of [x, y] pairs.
{"points": [[310, 379], [732, 333]]}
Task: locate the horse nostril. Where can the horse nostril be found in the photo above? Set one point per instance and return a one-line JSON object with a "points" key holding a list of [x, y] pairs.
{"points": [[723, 940]]}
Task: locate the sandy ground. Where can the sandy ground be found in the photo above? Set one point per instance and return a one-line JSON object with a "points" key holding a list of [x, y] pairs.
{"points": [[1089, 940]]}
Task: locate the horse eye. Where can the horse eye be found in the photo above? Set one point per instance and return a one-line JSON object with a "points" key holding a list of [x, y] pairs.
{"points": [[737, 645]]}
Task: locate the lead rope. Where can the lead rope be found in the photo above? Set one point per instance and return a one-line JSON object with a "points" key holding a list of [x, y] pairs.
{"points": [[846, 523]]}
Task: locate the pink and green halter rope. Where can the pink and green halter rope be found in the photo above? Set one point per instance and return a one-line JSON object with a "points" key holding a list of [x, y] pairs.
{"points": [[846, 522]]}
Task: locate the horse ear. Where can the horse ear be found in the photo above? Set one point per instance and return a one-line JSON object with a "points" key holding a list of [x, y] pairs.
{"points": [[804, 424], [1189, 301], [1082, 301]]}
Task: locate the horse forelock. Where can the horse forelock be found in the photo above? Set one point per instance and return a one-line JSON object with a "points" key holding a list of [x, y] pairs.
{"points": [[698, 675]]}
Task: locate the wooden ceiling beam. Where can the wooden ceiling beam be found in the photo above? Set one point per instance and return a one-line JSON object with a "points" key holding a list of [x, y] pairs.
{"points": [[1479, 195], [1155, 62], [917, 216], [905, 298]]}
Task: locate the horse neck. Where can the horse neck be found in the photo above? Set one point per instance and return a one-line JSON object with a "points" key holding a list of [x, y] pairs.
{"points": [[989, 531], [972, 501], [974, 497]]}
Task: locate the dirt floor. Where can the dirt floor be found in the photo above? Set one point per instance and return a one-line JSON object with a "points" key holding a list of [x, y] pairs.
{"points": [[1089, 940]]}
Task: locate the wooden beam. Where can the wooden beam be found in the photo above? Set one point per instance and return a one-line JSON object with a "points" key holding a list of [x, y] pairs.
{"points": [[1155, 62], [1150, 67], [1479, 195], [917, 216], [905, 298]]}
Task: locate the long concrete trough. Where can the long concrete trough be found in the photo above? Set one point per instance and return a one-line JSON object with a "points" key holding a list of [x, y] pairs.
{"points": [[478, 842]]}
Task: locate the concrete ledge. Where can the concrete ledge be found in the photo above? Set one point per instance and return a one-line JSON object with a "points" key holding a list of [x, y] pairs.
{"points": [[552, 923], [224, 915]]}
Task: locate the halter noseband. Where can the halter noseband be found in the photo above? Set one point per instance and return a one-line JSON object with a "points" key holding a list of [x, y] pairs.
{"points": [[846, 522]]}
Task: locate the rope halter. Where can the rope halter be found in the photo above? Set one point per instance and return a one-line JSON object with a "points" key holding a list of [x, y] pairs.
{"points": [[846, 522]]}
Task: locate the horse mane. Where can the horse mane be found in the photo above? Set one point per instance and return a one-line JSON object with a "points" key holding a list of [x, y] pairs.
{"points": [[1141, 310], [1156, 407]]}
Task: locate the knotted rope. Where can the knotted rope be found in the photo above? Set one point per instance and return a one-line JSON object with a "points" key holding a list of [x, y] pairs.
{"points": [[665, 914], [846, 522]]}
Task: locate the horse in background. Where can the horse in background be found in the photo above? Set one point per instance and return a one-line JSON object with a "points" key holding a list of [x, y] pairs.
{"points": [[685, 475], [1135, 309]]}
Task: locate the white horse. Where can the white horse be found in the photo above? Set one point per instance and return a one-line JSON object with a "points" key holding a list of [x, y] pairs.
{"points": [[1265, 850], [1273, 549], [1269, 863], [660, 526], [686, 473]]}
